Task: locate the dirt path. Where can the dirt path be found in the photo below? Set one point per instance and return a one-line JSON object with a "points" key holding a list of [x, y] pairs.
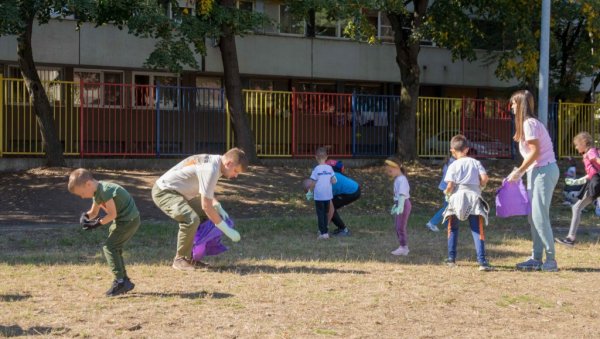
{"points": [[39, 196]]}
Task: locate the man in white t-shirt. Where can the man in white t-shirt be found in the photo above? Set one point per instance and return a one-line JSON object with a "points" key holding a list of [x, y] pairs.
{"points": [[187, 191]]}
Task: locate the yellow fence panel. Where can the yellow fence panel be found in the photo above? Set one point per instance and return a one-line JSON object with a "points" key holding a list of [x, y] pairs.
{"points": [[270, 118], [21, 134], [438, 120], [572, 119], [1, 115]]}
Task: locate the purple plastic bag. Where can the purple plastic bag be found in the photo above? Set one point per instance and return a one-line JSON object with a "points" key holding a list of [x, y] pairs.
{"points": [[512, 200], [207, 240]]}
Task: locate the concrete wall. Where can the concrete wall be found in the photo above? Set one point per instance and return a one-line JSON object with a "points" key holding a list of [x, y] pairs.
{"points": [[266, 55]]}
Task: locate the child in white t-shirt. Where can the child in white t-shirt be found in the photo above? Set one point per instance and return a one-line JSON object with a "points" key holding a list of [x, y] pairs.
{"points": [[402, 206], [322, 178], [465, 177]]}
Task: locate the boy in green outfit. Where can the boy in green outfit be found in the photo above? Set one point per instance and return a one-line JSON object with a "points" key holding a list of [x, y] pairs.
{"points": [[120, 210]]}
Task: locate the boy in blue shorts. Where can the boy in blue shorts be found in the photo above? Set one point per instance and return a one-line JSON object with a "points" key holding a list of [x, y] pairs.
{"points": [[122, 215], [466, 177]]}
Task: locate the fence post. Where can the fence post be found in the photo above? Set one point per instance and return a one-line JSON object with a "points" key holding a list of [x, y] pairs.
{"points": [[560, 129], [353, 124], [81, 119], [1, 115], [157, 96]]}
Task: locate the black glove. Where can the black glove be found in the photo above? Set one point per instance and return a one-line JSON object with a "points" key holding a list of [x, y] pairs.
{"points": [[83, 218], [91, 224]]}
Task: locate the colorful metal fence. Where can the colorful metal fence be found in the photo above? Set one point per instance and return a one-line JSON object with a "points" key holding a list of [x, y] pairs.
{"points": [[270, 115], [19, 131], [373, 124], [190, 120], [106, 119], [574, 118], [322, 120]]}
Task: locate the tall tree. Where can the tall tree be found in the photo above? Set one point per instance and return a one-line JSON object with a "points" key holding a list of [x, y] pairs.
{"points": [[17, 18]]}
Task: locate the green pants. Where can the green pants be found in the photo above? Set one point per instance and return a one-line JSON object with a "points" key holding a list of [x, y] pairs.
{"points": [[119, 234], [188, 213], [541, 182]]}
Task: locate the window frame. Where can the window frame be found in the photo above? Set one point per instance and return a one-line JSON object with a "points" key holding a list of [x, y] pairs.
{"points": [[152, 78], [25, 95], [102, 84]]}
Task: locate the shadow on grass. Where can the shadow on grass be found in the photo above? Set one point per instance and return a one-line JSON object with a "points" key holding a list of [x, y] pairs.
{"points": [[186, 295], [14, 297], [18, 331], [244, 269]]}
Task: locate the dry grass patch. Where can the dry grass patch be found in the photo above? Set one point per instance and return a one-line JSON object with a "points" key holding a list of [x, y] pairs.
{"points": [[279, 282]]}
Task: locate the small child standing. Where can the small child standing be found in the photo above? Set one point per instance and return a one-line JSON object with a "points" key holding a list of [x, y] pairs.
{"points": [[591, 183], [401, 209], [120, 210], [438, 216], [466, 177], [322, 178]]}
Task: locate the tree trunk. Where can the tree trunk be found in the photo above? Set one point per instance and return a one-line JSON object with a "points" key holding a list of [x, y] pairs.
{"points": [[590, 96], [407, 53], [39, 99], [244, 138]]}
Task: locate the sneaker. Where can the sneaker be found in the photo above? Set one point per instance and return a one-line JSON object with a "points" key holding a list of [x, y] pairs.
{"points": [[341, 232], [550, 266], [402, 250], [565, 241], [530, 265], [323, 236], [432, 227], [120, 287], [450, 262], [183, 264], [485, 267]]}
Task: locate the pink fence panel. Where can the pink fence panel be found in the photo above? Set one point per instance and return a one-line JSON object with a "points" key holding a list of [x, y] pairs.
{"points": [[117, 120], [487, 124], [322, 120]]}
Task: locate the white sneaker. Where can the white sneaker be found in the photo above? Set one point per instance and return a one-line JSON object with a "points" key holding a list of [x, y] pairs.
{"points": [[402, 250], [323, 236], [432, 227]]}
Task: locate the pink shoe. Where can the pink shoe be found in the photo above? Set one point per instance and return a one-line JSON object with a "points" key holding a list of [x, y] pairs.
{"points": [[402, 250]]}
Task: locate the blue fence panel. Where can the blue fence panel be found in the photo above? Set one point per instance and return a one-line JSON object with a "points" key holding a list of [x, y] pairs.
{"points": [[373, 121], [190, 120]]}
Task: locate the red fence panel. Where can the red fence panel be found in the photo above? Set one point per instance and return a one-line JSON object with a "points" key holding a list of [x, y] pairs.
{"points": [[487, 124], [117, 120], [322, 120]]}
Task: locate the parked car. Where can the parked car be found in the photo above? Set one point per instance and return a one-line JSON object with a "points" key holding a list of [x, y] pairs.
{"points": [[481, 144]]}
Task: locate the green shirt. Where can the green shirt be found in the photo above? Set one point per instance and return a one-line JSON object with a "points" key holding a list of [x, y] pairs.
{"points": [[126, 209]]}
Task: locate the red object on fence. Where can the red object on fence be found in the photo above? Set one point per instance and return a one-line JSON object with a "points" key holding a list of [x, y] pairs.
{"points": [[322, 120], [487, 125]]}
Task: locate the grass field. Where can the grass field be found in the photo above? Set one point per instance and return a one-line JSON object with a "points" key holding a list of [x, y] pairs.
{"points": [[279, 282]]}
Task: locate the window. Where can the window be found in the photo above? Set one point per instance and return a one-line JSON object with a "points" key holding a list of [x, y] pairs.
{"points": [[17, 91], [246, 5], [209, 93], [145, 86], [99, 87], [324, 26], [288, 23]]}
